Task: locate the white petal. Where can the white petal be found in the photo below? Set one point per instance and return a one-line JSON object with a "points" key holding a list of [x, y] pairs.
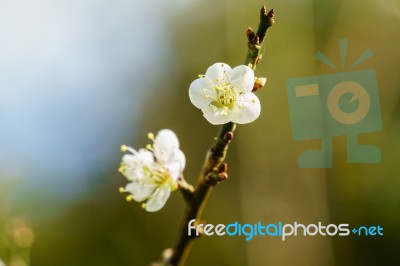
{"points": [[174, 170], [215, 116], [243, 77], [179, 157], [159, 198], [196, 95], [167, 139], [145, 157], [176, 164], [134, 174], [164, 145], [141, 157], [129, 159], [250, 109], [218, 71], [139, 191]]}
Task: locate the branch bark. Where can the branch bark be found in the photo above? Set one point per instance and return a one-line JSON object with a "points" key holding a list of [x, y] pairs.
{"points": [[214, 168]]}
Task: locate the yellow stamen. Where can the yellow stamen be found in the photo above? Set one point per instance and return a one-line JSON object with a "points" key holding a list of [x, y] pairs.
{"points": [[129, 198], [121, 190], [122, 168], [123, 148]]}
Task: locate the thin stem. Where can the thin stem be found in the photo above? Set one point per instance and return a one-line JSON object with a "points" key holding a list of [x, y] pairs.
{"points": [[197, 199], [215, 156], [256, 38]]}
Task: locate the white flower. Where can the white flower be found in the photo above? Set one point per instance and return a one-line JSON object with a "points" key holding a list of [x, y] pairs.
{"points": [[2, 263], [153, 172], [224, 94]]}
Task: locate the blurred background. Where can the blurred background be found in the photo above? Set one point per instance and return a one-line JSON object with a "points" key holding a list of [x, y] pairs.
{"points": [[80, 78]]}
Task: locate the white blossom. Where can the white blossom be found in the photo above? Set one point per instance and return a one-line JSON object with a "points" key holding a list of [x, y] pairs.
{"points": [[225, 94], [153, 172]]}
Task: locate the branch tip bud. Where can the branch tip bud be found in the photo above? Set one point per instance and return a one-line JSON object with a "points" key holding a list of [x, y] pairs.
{"points": [[263, 11]]}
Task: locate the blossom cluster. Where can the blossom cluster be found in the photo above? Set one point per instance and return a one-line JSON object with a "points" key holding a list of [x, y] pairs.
{"points": [[224, 95], [153, 172]]}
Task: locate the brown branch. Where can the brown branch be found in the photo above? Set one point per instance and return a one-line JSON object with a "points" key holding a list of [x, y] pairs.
{"points": [[214, 159], [256, 39], [214, 168]]}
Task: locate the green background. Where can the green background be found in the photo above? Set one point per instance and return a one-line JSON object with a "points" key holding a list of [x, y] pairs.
{"points": [[90, 223]]}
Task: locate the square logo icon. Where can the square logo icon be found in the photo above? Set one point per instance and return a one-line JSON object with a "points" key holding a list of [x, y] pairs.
{"points": [[338, 104]]}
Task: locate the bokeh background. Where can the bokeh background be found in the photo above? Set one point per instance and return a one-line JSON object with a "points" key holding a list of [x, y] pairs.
{"points": [[80, 78]]}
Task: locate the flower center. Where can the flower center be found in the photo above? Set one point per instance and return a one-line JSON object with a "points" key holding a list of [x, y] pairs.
{"points": [[226, 95], [159, 175]]}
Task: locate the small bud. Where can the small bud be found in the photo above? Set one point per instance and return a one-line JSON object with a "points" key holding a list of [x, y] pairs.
{"points": [[271, 16], [228, 136], [250, 34], [222, 176], [166, 254], [263, 11], [223, 167], [256, 40], [259, 83]]}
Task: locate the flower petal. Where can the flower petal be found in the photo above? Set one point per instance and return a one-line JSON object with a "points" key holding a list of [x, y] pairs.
{"points": [[243, 77], [134, 174], [166, 138], [165, 144], [175, 168], [180, 158], [141, 157], [176, 165], [159, 198], [249, 111], [145, 157], [217, 72], [196, 92], [215, 115], [139, 191]]}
